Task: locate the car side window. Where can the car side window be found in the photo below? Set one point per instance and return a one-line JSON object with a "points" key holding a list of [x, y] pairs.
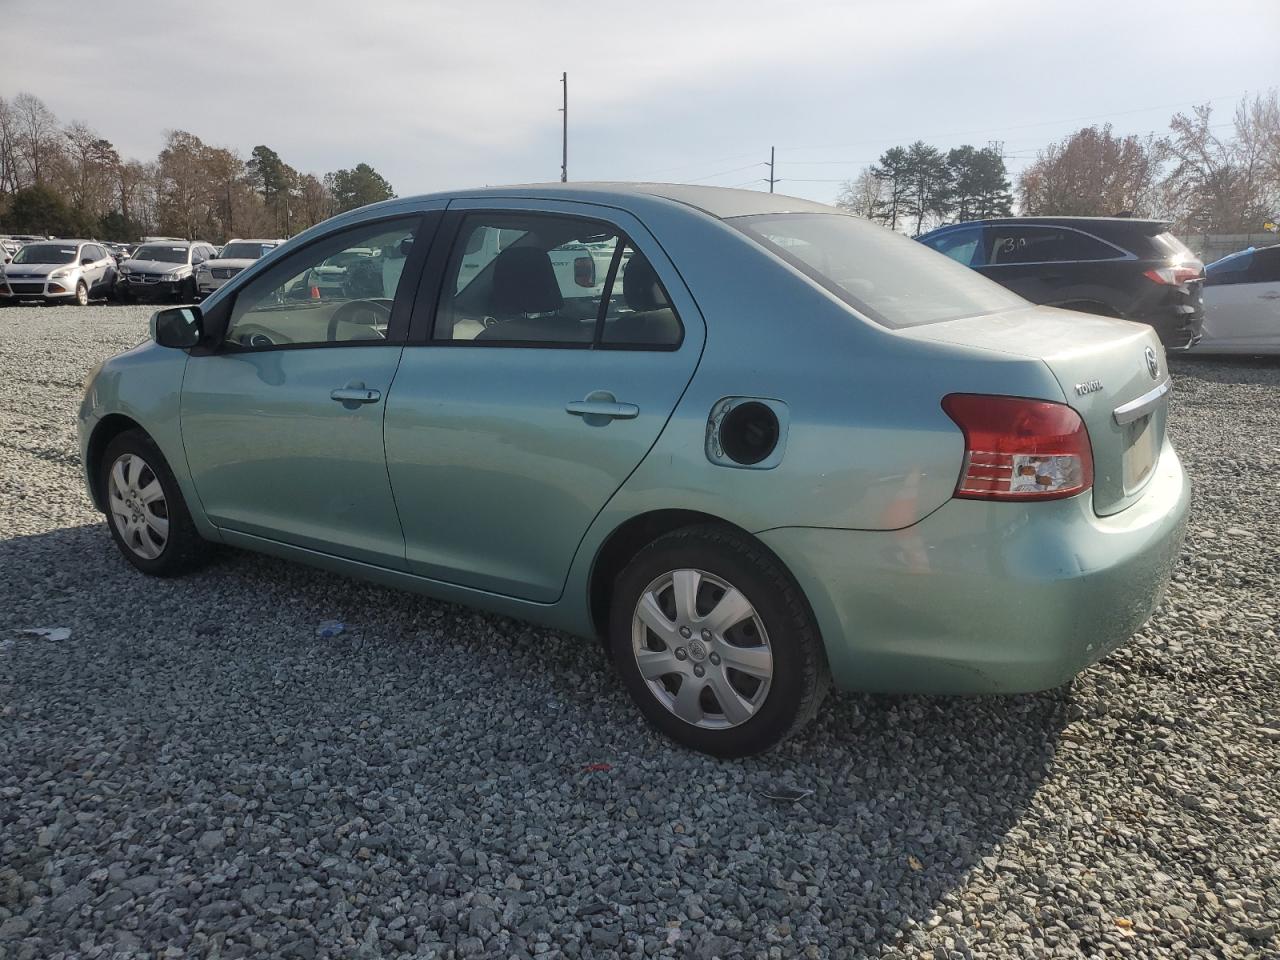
{"points": [[964, 246], [1232, 270], [525, 278], [1266, 266], [639, 312], [1015, 243], [337, 290]]}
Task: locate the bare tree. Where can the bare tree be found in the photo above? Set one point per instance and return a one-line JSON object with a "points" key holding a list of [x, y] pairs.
{"points": [[863, 196], [11, 173], [89, 171], [38, 136], [1093, 172]]}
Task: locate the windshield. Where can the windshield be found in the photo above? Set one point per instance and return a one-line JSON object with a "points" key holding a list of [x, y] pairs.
{"points": [[164, 254], [245, 251], [883, 275], [45, 253]]}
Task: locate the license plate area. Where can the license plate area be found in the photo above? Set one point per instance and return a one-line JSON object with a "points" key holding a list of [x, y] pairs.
{"points": [[1139, 453]]}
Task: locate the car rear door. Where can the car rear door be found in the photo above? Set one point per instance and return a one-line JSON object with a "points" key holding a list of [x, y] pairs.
{"points": [[282, 422], [1242, 301], [1055, 265], [518, 410]]}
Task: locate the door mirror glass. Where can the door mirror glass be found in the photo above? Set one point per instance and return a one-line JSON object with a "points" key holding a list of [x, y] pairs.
{"points": [[179, 327]]}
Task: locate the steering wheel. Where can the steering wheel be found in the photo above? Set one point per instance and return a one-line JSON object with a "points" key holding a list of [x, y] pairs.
{"points": [[375, 313]]}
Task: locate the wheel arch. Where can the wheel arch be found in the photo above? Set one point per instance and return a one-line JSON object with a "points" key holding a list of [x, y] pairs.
{"points": [[106, 430], [631, 536]]}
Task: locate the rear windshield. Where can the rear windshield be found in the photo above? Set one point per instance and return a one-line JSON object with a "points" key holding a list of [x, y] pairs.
{"points": [[45, 253], [164, 254], [883, 275], [245, 251], [1167, 244]]}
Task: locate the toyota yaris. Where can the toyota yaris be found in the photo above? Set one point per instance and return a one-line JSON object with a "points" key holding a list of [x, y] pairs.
{"points": [[756, 444]]}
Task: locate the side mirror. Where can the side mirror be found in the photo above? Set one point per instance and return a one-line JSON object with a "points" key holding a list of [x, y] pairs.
{"points": [[87, 262], [179, 327]]}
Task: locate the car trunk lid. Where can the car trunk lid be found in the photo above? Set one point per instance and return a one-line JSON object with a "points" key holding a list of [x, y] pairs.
{"points": [[1111, 372]]}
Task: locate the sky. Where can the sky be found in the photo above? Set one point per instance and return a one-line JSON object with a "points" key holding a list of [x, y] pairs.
{"points": [[440, 96]]}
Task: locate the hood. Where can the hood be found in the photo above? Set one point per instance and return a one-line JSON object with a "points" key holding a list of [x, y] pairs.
{"points": [[19, 270], [221, 264], [154, 266]]}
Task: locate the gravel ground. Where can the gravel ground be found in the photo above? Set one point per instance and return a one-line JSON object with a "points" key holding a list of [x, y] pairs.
{"points": [[193, 773]]}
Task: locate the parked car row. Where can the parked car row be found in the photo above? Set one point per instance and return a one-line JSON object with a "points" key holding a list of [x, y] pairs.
{"points": [[76, 270], [1113, 266], [1128, 268]]}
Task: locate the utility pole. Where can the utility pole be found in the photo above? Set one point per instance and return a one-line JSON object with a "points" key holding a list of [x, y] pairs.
{"points": [[564, 131], [771, 177]]}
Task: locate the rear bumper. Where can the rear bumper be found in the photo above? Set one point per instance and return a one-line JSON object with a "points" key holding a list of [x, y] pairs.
{"points": [[1178, 319], [989, 597]]}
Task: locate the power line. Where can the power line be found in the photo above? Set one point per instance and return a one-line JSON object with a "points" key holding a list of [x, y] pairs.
{"points": [[1024, 126], [712, 176]]}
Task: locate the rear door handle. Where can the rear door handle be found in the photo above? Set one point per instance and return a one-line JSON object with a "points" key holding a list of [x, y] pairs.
{"points": [[355, 395], [602, 406]]}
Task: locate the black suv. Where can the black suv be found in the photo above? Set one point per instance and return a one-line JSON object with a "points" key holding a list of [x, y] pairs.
{"points": [[1115, 266]]}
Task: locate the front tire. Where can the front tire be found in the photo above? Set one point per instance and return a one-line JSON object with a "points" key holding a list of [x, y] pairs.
{"points": [[715, 642], [82, 294], [146, 513]]}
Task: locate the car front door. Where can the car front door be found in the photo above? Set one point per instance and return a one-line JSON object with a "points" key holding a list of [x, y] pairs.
{"points": [[542, 367], [282, 421]]}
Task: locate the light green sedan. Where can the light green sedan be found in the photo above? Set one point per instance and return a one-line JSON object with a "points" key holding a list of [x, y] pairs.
{"points": [[753, 443]]}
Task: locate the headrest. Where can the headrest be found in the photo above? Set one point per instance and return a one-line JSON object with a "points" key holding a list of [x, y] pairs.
{"points": [[524, 281], [640, 285]]}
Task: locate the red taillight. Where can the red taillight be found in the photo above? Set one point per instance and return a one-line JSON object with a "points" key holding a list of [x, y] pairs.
{"points": [[1173, 276], [1020, 449], [584, 271]]}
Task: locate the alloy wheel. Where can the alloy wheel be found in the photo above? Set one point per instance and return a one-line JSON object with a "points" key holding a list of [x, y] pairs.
{"points": [[138, 506], [82, 294], [702, 649]]}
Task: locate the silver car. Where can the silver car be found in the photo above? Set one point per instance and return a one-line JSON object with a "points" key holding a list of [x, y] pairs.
{"points": [[57, 271], [233, 258]]}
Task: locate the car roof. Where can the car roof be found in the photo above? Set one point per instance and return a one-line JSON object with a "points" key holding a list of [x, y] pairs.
{"points": [[1067, 221], [721, 202]]}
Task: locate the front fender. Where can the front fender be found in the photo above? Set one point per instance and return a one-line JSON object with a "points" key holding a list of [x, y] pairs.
{"points": [[142, 385]]}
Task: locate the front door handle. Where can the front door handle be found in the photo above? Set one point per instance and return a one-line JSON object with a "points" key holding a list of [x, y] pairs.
{"points": [[355, 395], [600, 407]]}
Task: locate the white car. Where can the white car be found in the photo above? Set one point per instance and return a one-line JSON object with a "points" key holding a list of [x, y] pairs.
{"points": [[58, 271], [231, 259], [1242, 303]]}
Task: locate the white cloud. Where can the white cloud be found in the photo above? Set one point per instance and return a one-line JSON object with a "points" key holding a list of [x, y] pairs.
{"points": [[437, 95]]}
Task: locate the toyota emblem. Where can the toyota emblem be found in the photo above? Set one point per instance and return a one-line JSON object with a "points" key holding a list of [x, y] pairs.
{"points": [[1153, 364]]}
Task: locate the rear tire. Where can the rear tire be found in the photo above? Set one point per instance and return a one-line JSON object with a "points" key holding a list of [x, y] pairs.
{"points": [[146, 513], [732, 624]]}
